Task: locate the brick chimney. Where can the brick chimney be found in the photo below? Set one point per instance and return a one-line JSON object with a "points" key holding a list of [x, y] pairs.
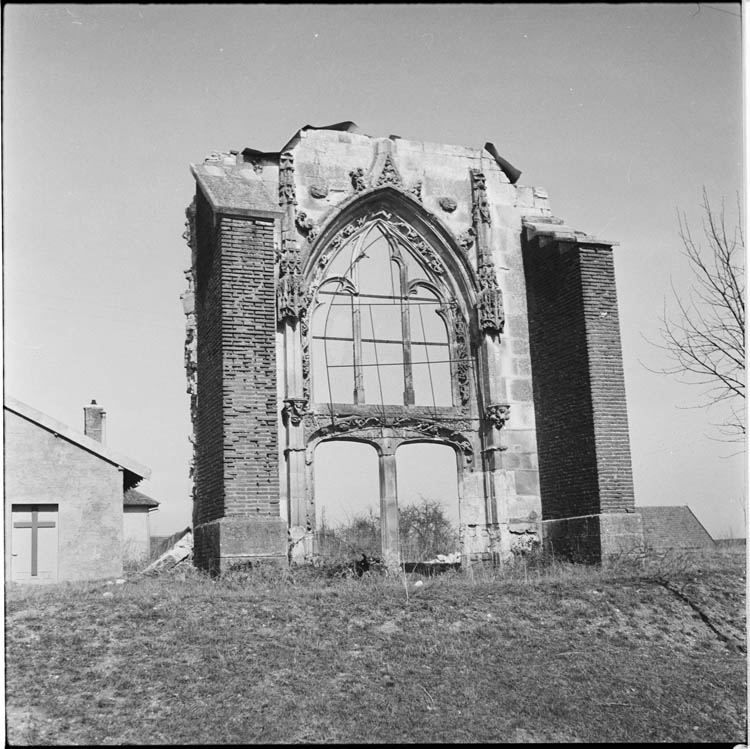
{"points": [[95, 422]]}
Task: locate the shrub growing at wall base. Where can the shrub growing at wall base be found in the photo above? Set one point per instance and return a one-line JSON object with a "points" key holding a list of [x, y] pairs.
{"points": [[424, 533]]}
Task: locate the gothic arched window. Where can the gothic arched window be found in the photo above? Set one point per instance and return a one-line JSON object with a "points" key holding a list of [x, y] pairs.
{"points": [[380, 324]]}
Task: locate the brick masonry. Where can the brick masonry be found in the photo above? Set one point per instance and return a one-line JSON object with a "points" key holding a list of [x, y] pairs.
{"points": [[579, 390], [236, 426]]}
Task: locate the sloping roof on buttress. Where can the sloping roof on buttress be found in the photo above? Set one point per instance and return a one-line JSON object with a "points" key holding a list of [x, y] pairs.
{"points": [[232, 187]]}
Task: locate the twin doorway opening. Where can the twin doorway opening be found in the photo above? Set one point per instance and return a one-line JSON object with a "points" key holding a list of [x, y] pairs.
{"points": [[349, 507]]}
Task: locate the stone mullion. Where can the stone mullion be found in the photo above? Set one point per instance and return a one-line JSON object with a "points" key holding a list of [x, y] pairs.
{"points": [[453, 352], [406, 334], [359, 387], [295, 406], [450, 313], [489, 447], [389, 504]]}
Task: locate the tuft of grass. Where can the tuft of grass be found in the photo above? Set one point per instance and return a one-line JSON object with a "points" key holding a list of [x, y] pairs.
{"points": [[526, 652]]}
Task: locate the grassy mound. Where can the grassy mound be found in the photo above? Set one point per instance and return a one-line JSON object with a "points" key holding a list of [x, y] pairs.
{"points": [[650, 649]]}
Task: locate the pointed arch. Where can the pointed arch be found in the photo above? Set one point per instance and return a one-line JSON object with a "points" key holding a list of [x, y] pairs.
{"points": [[419, 225], [407, 300]]}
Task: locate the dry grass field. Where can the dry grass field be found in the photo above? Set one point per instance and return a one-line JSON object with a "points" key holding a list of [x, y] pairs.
{"points": [[647, 650]]}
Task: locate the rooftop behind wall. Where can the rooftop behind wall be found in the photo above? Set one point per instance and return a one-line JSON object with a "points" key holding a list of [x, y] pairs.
{"points": [[673, 528]]}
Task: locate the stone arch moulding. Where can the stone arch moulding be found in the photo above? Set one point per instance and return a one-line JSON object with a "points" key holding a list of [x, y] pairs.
{"points": [[406, 219], [385, 435], [397, 430], [446, 274], [405, 208]]}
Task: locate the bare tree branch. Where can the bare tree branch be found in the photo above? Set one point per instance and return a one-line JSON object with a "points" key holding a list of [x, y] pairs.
{"points": [[705, 335]]}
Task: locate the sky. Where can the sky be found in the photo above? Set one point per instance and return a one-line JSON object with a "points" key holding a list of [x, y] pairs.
{"points": [[622, 112]]}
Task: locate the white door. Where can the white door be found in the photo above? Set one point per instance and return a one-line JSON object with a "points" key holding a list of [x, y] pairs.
{"points": [[34, 543]]}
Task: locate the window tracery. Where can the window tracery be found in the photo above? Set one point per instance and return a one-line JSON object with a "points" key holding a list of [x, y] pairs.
{"points": [[384, 326]]}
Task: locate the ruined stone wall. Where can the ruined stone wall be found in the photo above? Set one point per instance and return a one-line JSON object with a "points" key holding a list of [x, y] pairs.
{"points": [[332, 166], [535, 343]]}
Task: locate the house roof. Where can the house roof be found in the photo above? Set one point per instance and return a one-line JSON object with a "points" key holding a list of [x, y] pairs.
{"points": [[134, 498], [133, 471], [673, 526]]}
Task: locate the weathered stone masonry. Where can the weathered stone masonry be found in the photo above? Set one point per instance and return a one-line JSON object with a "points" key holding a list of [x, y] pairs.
{"points": [[536, 411]]}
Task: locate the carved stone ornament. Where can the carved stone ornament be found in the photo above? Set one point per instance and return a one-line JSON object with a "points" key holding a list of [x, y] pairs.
{"points": [[290, 292], [430, 257], [320, 425], [189, 234], [287, 194], [306, 225], [397, 226], [290, 296], [318, 190], [480, 204], [304, 329], [447, 204], [489, 298], [497, 414], [358, 179], [466, 240], [228, 158], [389, 174], [190, 350], [461, 354], [294, 410], [416, 190], [490, 301]]}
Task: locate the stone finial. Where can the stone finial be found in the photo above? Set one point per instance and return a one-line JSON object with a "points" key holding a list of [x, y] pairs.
{"points": [[287, 194], [481, 206]]}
